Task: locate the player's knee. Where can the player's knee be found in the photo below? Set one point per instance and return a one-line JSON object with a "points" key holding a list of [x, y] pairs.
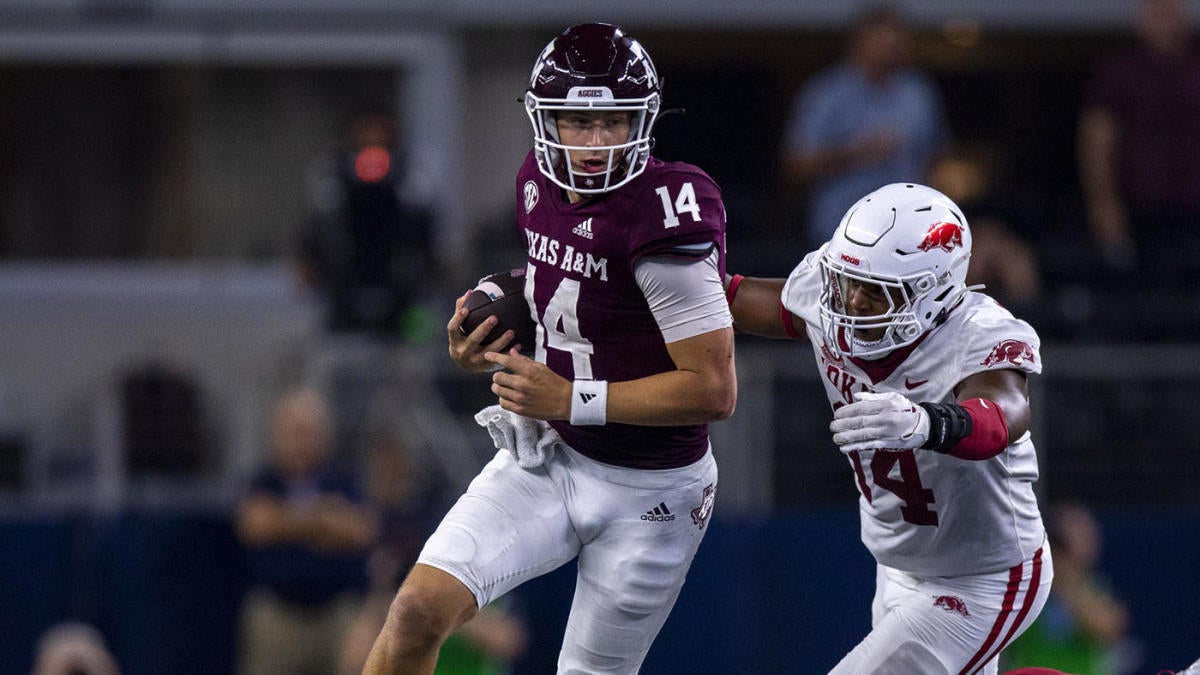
{"points": [[647, 585], [914, 657], [417, 621], [640, 602]]}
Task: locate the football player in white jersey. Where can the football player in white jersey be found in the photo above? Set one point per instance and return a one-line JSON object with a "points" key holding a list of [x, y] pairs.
{"points": [[927, 378]]}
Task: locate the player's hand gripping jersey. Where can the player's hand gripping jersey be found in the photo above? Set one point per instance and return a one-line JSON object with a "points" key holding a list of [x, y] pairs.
{"points": [[925, 512], [593, 321]]}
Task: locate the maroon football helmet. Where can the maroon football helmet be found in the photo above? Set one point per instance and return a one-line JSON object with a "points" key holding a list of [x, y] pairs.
{"points": [[593, 66]]}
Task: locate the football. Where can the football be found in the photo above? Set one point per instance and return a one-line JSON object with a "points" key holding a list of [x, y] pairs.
{"points": [[501, 295]]}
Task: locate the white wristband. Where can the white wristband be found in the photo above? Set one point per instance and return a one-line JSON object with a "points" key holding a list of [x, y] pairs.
{"points": [[589, 402]]}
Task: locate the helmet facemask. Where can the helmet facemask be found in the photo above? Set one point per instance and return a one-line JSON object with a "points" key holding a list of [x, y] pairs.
{"points": [[593, 67], [900, 320], [625, 161], [913, 244]]}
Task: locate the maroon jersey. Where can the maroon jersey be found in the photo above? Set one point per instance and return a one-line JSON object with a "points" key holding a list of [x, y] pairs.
{"points": [[593, 320]]}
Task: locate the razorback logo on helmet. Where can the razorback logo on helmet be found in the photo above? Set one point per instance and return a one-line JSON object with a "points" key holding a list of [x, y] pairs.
{"points": [[943, 235], [1012, 351], [951, 604]]}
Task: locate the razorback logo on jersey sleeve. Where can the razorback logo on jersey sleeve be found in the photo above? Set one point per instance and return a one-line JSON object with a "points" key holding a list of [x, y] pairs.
{"points": [[1015, 352]]}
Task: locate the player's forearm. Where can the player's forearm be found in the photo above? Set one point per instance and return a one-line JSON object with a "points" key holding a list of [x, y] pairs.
{"points": [[756, 307], [675, 398], [702, 387]]}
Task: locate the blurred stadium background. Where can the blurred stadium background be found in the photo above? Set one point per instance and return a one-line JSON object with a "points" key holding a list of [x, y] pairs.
{"points": [[153, 158]]}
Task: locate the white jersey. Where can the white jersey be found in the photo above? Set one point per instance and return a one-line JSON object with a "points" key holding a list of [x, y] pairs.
{"points": [[925, 512]]}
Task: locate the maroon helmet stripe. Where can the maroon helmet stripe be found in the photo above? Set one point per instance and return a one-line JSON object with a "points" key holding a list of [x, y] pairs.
{"points": [[1030, 596]]}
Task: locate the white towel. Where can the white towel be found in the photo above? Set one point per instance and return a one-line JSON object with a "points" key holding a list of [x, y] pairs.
{"points": [[529, 441]]}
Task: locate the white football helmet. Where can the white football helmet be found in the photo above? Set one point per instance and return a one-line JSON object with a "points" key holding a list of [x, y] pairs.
{"points": [[911, 240]]}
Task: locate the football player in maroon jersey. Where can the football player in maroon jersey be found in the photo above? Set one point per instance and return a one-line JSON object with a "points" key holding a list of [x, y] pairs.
{"points": [[633, 356]]}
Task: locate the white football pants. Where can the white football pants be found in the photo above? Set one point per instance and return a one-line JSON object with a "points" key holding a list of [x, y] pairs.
{"points": [[635, 533], [948, 625]]}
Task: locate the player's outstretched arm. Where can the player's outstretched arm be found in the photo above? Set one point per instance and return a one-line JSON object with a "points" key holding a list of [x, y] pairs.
{"points": [[991, 411], [756, 306]]}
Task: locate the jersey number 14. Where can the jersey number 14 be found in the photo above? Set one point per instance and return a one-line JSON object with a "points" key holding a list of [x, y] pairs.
{"points": [[558, 327], [907, 486], [685, 202]]}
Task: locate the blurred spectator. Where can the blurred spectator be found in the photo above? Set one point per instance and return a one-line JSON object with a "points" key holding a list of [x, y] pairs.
{"points": [[1139, 140], [1002, 259], [1083, 627], [411, 497], [74, 649], [866, 122], [306, 531], [367, 247]]}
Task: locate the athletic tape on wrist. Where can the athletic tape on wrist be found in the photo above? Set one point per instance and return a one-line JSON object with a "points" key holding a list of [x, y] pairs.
{"points": [[589, 402]]}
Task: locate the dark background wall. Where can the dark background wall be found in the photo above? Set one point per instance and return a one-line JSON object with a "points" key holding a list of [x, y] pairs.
{"points": [[788, 593]]}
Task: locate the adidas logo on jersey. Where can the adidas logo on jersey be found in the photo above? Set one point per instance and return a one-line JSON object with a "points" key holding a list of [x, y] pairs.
{"points": [[584, 229], [659, 514]]}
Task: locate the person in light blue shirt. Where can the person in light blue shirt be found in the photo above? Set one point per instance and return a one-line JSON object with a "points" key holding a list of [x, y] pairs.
{"points": [[865, 122]]}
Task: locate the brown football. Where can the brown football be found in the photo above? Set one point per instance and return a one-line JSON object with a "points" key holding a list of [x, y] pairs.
{"points": [[501, 295]]}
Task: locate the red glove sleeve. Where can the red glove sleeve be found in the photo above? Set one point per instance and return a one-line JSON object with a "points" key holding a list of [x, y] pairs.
{"points": [[989, 433], [788, 326], [732, 289]]}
